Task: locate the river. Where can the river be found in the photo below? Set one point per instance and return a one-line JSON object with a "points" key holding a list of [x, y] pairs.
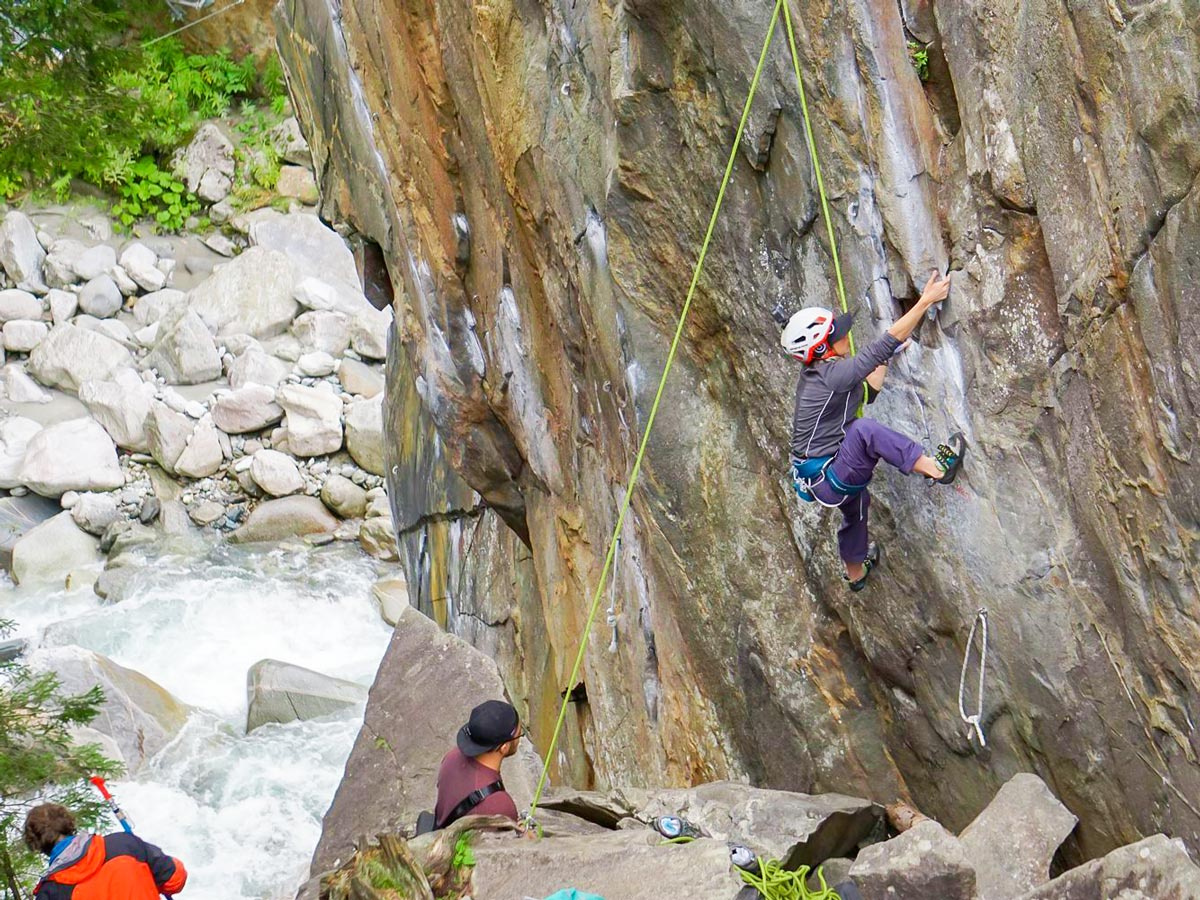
{"points": [[242, 811]]}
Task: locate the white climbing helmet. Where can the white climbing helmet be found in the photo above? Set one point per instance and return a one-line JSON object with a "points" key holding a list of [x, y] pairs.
{"points": [[806, 335]]}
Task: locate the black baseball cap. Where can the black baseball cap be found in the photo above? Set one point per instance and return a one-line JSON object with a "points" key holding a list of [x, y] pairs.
{"points": [[841, 326], [492, 723]]}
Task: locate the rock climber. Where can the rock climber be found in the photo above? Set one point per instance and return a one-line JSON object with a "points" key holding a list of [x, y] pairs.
{"points": [[834, 452], [469, 778], [97, 867]]}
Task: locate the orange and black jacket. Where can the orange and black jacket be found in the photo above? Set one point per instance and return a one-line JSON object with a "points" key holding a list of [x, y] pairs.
{"points": [[113, 867]]}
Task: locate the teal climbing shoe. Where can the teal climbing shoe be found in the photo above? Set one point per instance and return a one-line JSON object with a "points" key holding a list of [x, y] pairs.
{"points": [[869, 565], [949, 457]]}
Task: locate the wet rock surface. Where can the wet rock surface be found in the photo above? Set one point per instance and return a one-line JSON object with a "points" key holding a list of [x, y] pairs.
{"points": [[538, 201]]}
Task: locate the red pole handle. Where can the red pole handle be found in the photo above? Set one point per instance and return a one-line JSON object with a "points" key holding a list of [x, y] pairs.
{"points": [[101, 787]]}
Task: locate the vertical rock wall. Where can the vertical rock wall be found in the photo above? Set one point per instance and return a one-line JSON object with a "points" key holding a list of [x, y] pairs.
{"points": [[538, 175]]}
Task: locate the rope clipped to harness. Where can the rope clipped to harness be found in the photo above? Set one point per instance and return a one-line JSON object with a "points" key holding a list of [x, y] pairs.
{"points": [[975, 721]]}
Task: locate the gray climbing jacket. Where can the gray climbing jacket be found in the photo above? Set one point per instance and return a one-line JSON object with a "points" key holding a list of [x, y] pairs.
{"points": [[827, 398]]}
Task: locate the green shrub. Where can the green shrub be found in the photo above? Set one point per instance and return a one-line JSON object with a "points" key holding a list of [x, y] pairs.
{"points": [[919, 57], [150, 193]]}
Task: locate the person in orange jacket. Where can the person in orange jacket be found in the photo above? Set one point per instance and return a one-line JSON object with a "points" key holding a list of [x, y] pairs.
{"points": [[117, 866]]}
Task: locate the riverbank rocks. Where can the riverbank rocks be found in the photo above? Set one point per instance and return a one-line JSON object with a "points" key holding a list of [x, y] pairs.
{"points": [[314, 419], [184, 352], [140, 715], [286, 517], [1013, 841], [299, 183], [251, 407], [141, 264], [17, 304], [21, 254], [203, 454], [315, 249], [364, 434], [359, 379], [256, 366], [323, 330], [167, 433], [54, 551], [1156, 868], [276, 473], [344, 497], [369, 333], [121, 406], [94, 513], [250, 294], [924, 862], [282, 692], [425, 689], [392, 596], [63, 305], [70, 355], [76, 455], [378, 537], [154, 307]]}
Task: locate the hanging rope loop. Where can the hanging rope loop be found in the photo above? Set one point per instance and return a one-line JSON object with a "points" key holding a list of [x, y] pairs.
{"points": [[980, 623]]}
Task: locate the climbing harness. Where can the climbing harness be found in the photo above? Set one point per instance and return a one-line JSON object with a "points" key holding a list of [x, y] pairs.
{"points": [[773, 881], [975, 721], [781, 7], [808, 473]]}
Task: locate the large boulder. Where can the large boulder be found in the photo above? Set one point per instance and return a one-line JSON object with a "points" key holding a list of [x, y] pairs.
{"points": [[616, 865], [251, 407], [1013, 841], [798, 829], [167, 433], [315, 249], [426, 687], [63, 305], [207, 164], [257, 366], [298, 182], [94, 513], [185, 352], [141, 264], [15, 434], [344, 497], [121, 406], [17, 304], [202, 456], [1157, 868], [282, 692], [93, 262], [392, 596], [924, 862], [323, 330], [364, 433], [140, 715], [314, 419], [250, 294], [377, 535], [359, 378], [101, 297], [276, 473], [69, 356], [23, 335], [18, 387], [75, 455], [156, 306], [286, 517], [52, 551], [21, 254], [369, 333]]}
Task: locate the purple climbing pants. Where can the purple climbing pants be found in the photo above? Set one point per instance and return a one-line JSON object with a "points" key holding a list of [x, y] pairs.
{"points": [[865, 444]]}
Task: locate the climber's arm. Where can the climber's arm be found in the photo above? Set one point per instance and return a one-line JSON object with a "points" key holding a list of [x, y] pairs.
{"points": [[936, 290], [875, 379]]}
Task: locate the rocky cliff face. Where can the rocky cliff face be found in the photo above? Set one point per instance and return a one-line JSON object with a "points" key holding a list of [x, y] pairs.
{"points": [[532, 179]]}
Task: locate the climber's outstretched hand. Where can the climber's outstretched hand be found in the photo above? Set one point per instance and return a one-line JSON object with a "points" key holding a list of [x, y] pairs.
{"points": [[936, 290]]}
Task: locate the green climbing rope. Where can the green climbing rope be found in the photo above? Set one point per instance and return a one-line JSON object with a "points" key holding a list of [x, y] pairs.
{"points": [[816, 164], [637, 462], [773, 882], [780, 7]]}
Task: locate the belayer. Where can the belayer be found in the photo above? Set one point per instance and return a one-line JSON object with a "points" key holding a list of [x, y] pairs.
{"points": [[834, 452]]}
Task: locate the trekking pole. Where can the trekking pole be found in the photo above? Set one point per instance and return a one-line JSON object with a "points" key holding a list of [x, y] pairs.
{"points": [[112, 803]]}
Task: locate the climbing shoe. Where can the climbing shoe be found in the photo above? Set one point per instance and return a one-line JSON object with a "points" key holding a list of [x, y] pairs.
{"points": [[949, 457], [869, 565]]}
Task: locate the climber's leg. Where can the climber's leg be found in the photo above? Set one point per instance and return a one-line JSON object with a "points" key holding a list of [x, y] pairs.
{"points": [[866, 443], [852, 536]]}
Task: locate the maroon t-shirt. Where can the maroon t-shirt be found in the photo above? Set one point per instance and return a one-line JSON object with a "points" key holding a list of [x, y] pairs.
{"points": [[458, 777]]}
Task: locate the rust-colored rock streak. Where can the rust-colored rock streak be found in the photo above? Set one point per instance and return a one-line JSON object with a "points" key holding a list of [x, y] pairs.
{"points": [[538, 176]]}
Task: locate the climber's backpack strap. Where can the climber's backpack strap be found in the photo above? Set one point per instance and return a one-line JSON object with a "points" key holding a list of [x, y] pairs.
{"points": [[471, 801]]}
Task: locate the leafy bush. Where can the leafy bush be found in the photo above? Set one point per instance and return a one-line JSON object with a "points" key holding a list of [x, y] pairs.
{"points": [[149, 192], [79, 99], [919, 56]]}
